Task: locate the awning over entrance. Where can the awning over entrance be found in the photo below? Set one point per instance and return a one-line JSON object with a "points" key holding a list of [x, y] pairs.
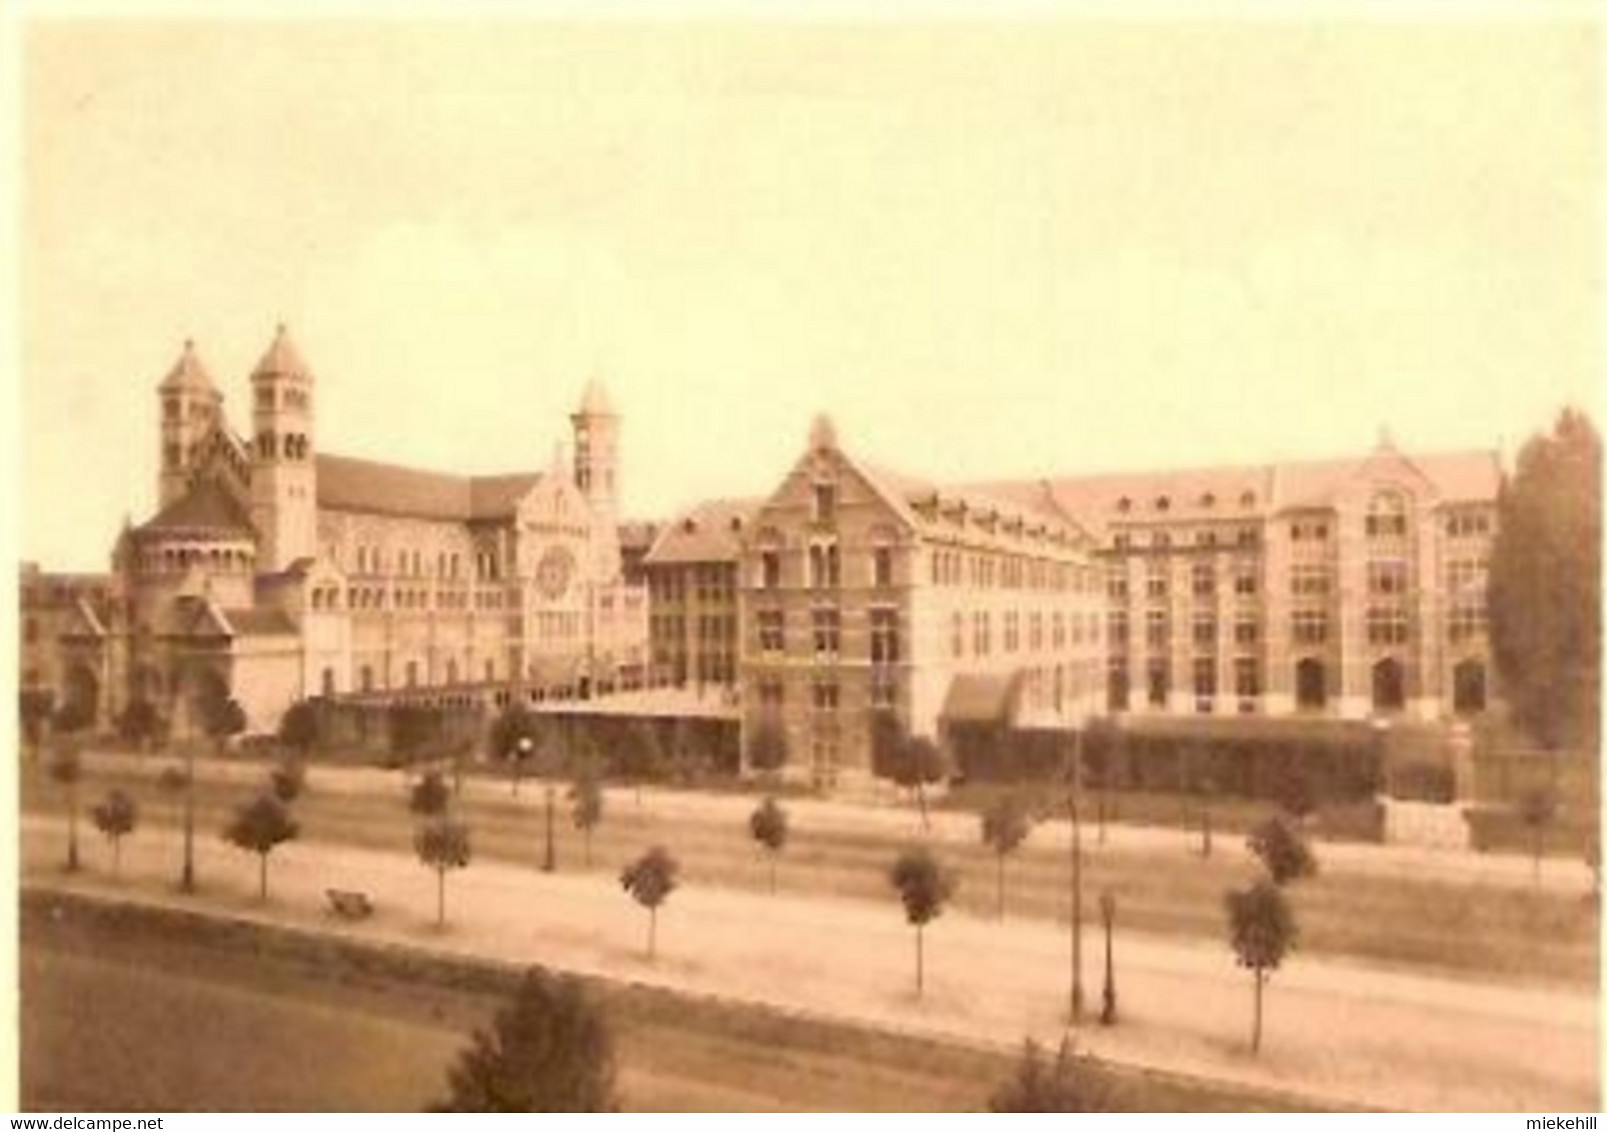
{"points": [[982, 698]]}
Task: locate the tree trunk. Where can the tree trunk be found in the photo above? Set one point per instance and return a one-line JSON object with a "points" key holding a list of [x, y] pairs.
{"points": [[1000, 885], [1255, 1032], [1205, 842], [920, 959], [440, 897], [72, 830], [117, 858], [920, 799], [652, 932], [262, 876], [588, 847], [772, 871], [187, 876], [1539, 851]]}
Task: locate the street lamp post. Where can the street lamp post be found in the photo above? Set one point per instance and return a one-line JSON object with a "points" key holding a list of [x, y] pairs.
{"points": [[1107, 908], [548, 861], [521, 759]]}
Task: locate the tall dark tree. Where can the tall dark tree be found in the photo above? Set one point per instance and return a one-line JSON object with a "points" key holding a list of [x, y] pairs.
{"points": [[443, 845], [1005, 825], [912, 762], [1545, 586], [650, 879], [549, 1049], [924, 886], [768, 826], [67, 768], [414, 731], [1069, 1083], [1282, 848], [1262, 931], [260, 826], [513, 739], [116, 817]]}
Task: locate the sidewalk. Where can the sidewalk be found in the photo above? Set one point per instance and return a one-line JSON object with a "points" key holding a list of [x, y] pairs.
{"points": [[901, 820], [1338, 1031]]}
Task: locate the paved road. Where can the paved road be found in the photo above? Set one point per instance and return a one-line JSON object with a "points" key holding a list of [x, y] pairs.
{"points": [[1335, 1030], [1506, 869]]}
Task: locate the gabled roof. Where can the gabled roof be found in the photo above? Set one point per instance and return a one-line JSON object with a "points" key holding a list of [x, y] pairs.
{"points": [[281, 359], [207, 507], [710, 532], [595, 402], [188, 373], [348, 484]]}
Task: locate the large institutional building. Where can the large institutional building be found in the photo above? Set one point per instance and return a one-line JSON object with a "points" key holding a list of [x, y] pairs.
{"points": [[284, 572], [1343, 589]]}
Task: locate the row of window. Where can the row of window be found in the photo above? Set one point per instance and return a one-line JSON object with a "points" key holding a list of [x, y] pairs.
{"points": [[1009, 571], [1077, 627], [1245, 538], [1386, 625]]}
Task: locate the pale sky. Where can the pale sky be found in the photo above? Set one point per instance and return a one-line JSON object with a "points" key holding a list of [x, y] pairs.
{"points": [[987, 251]]}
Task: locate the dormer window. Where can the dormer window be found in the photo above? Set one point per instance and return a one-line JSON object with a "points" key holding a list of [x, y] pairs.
{"points": [[1164, 503], [1247, 499], [1208, 500], [1124, 505]]}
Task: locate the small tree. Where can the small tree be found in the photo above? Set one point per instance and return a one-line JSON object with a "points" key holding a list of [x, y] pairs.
{"points": [[298, 727], [913, 762], [414, 731], [288, 779], [442, 844], [1005, 825], [767, 748], [1284, 852], [513, 740], [768, 825], [1262, 931], [429, 796], [1200, 787], [260, 826], [1070, 1083], [650, 879], [220, 717], [139, 723], [67, 768], [641, 756], [1537, 809], [1295, 792], [924, 886], [549, 1050], [116, 817], [586, 802]]}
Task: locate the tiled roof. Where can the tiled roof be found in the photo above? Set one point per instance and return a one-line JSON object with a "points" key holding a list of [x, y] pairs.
{"points": [[347, 484], [205, 507], [1250, 491], [188, 373], [705, 533], [281, 358]]}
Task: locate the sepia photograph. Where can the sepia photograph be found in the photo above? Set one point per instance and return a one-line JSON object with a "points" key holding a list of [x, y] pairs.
{"points": [[744, 557]]}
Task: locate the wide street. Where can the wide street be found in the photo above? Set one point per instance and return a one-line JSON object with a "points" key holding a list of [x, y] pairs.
{"points": [[1338, 1030]]}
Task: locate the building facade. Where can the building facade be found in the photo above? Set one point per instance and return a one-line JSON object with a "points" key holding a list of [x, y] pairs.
{"points": [[1345, 588], [868, 596], [280, 572]]}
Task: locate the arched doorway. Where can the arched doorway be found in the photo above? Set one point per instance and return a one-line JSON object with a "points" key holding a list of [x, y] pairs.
{"points": [[1311, 684], [1389, 685], [1467, 681]]}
